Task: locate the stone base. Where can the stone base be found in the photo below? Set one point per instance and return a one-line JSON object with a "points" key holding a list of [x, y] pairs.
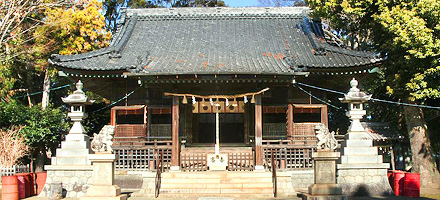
{"points": [[364, 180], [120, 197], [325, 189], [324, 197], [103, 191], [75, 180]]}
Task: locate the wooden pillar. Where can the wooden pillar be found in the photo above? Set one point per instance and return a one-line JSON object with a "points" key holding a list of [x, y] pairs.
{"points": [[175, 135], [324, 115], [113, 117], [258, 133], [289, 121]]}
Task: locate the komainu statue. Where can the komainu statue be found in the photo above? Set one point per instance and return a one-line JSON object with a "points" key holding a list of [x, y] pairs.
{"points": [[102, 142], [326, 139]]}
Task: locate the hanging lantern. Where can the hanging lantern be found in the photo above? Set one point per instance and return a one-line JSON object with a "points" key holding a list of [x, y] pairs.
{"points": [[194, 100], [185, 101], [217, 103], [235, 103], [253, 99]]}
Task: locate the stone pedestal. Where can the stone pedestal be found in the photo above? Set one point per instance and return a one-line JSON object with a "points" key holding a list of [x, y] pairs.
{"points": [[325, 186], [361, 171], [103, 179], [217, 162]]}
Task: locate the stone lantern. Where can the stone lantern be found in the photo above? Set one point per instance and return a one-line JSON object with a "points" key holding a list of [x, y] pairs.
{"points": [[76, 148], [361, 170], [355, 99], [77, 101]]}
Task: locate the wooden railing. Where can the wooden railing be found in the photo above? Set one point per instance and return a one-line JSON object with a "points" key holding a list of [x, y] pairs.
{"points": [[274, 174], [241, 161], [274, 130], [141, 158], [193, 162], [130, 130], [289, 157], [304, 128], [158, 180], [160, 131], [142, 144]]}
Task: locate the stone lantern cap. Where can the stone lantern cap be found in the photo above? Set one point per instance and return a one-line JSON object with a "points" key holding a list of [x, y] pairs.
{"points": [[78, 96], [354, 94]]}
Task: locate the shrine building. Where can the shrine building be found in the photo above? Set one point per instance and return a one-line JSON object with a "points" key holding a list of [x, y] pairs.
{"points": [[196, 78]]}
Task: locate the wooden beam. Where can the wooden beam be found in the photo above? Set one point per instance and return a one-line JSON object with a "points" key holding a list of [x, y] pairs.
{"points": [[289, 121], [175, 133], [258, 131]]}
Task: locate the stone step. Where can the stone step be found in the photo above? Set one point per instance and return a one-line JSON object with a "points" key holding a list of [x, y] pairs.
{"points": [[216, 186], [359, 151], [75, 145], [217, 191], [361, 159], [71, 152], [358, 136], [70, 160], [216, 180], [357, 143], [222, 183], [77, 137], [209, 196], [212, 175]]}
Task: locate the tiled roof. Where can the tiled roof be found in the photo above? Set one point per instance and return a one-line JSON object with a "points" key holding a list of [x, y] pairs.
{"points": [[218, 41]]}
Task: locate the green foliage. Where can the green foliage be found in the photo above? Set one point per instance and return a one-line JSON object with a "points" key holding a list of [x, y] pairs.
{"points": [[409, 31], [42, 128]]}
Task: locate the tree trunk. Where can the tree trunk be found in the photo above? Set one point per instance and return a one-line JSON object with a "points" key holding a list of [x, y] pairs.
{"points": [[421, 148], [40, 160], [46, 90]]}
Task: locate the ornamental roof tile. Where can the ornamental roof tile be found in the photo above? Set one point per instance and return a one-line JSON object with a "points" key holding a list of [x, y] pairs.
{"points": [[217, 41]]}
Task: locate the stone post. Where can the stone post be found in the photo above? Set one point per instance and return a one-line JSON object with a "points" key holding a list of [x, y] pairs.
{"points": [[325, 186], [103, 179], [324, 159]]}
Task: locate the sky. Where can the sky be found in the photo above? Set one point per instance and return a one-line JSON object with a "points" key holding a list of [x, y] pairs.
{"points": [[241, 3]]}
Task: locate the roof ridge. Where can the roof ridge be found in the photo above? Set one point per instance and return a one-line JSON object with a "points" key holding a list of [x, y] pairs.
{"points": [[218, 11]]}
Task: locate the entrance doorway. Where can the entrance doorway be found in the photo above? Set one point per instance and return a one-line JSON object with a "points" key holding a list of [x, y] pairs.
{"points": [[231, 128]]}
